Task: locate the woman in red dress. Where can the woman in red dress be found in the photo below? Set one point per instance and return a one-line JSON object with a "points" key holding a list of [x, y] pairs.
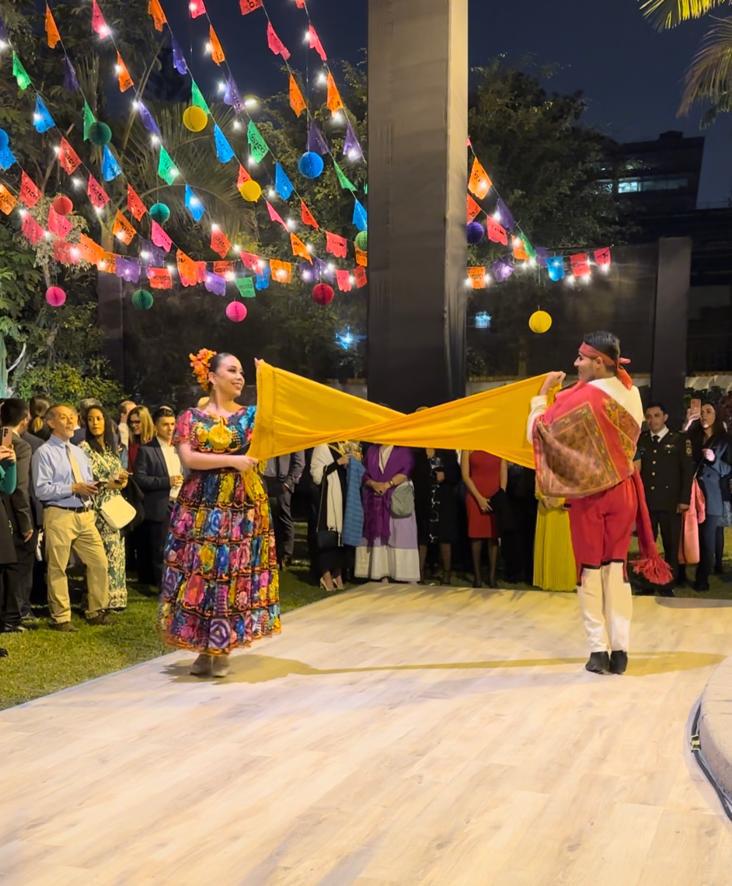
{"points": [[483, 474]]}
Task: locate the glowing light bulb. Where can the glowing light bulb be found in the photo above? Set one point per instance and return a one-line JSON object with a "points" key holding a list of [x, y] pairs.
{"points": [[22, 213], [118, 69], [174, 173], [307, 37], [75, 253], [260, 265], [351, 279], [251, 103], [467, 282], [155, 140], [136, 104], [497, 215], [605, 269], [236, 248], [221, 86], [56, 150], [532, 262], [271, 192], [337, 117], [516, 242], [214, 227], [307, 276], [37, 117], [309, 247], [196, 202], [104, 32], [230, 276], [330, 266], [281, 275], [144, 255], [76, 181], [98, 210], [291, 224], [354, 154], [119, 235], [170, 269], [3, 45], [251, 162], [103, 264], [208, 49], [322, 79], [47, 235], [236, 126]]}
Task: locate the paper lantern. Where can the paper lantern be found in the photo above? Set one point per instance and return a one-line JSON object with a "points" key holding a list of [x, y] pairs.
{"points": [[55, 296], [251, 191], [142, 299], [195, 119], [236, 311], [311, 164], [62, 205], [474, 232], [540, 322], [160, 212], [362, 241], [323, 294], [100, 134]]}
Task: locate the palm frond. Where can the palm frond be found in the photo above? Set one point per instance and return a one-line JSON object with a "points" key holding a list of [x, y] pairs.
{"points": [[709, 77], [665, 14]]}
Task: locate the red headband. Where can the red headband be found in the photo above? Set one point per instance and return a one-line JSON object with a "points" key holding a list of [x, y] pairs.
{"points": [[588, 351]]}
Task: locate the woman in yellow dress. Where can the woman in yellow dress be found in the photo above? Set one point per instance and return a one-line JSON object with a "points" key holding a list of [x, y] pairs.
{"points": [[554, 566]]}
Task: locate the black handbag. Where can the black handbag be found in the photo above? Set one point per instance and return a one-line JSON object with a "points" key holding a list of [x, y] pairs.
{"points": [[325, 539]]}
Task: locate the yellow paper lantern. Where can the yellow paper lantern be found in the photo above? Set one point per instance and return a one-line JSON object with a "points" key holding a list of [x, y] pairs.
{"points": [[195, 118], [540, 322], [251, 191]]}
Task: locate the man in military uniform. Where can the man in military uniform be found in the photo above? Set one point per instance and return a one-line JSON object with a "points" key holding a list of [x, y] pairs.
{"points": [[665, 462]]}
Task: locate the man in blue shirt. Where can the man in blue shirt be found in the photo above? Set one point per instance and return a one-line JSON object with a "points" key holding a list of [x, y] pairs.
{"points": [[63, 481]]}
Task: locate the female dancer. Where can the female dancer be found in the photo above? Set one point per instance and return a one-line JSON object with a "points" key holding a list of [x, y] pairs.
{"points": [[220, 583]]}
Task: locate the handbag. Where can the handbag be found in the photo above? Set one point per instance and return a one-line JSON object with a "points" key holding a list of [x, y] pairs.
{"points": [[402, 500], [117, 512], [135, 497]]}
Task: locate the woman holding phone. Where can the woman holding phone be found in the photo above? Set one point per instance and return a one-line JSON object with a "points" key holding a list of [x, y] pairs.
{"points": [[101, 447]]}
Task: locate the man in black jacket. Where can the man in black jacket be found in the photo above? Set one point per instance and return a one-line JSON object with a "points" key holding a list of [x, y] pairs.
{"points": [[667, 469], [19, 507], [159, 475]]}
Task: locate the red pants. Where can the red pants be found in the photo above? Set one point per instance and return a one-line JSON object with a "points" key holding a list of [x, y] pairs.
{"points": [[601, 526]]}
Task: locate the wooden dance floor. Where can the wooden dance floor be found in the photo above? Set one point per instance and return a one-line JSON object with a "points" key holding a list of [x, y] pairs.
{"points": [[390, 735]]}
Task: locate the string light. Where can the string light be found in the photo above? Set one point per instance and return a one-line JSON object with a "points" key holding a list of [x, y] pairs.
{"points": [[222, 86], [236, 125], [77, 182], [154, 140], [144, 255], [170, 268], [236, 248], [291, 224], [104, 32], [307, 276], [321, 79], [208, 49], [75, 252], [251, 103], [271, 192], [337, 117]]}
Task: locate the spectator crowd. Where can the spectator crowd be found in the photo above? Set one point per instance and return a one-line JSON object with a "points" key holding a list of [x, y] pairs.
{"points": [[78, 485]]}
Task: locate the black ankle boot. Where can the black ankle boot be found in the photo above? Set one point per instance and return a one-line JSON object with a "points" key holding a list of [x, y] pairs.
{"points": [[618, 661], [598, 663]]}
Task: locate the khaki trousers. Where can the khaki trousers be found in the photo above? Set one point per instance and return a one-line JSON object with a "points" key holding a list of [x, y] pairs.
{"points": [[66, 530]]}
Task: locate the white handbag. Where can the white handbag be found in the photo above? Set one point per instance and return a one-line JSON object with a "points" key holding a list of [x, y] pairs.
{"points": [[117, 512]]}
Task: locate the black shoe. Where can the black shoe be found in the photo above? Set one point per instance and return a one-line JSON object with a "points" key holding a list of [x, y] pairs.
{"points": [[65, 627], [30, 622], [598, 663], [618, 662], [666, 591], [477, 583], [13, 629], [701, 585]]}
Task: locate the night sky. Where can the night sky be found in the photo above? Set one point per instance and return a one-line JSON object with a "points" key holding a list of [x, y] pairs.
{"points": [[630, 74]]}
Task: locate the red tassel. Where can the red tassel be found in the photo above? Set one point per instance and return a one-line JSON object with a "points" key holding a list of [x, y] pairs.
{"points": [[654, 569]]}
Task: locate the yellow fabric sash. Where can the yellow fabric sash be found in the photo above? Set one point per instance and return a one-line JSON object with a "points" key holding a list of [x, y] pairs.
{"points": [[295, 413]]}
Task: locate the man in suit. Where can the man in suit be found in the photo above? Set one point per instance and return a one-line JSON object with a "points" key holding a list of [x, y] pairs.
{"points": [[666, 466], [159, 475], [282, 474], [19, 507]]}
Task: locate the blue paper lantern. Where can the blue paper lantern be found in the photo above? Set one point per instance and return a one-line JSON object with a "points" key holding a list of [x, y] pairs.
{"points": [[474, 232], [311, 164], [160, 212]]}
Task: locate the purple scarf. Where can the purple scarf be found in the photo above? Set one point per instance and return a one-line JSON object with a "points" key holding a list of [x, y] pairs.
{"points": [[377, 508]]}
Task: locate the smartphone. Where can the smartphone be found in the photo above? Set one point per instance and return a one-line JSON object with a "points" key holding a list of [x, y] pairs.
{"points": [[695, 405], [6, 436]]}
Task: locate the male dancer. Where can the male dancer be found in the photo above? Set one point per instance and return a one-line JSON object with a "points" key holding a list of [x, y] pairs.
{"points": [[584, 445]]}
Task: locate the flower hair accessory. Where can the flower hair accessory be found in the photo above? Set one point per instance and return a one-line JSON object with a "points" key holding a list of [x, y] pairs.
{"points": [[201, 366]]}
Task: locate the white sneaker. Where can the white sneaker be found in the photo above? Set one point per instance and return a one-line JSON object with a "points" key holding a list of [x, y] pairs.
{"points": [[219, 665], [201, 667]]}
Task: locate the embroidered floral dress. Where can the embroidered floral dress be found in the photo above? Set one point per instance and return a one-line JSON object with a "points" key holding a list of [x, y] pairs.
{"points": [[106, 465], [220, 586]]}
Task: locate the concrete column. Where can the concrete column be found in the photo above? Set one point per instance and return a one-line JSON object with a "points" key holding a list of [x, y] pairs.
{"points": [[418, 119]]}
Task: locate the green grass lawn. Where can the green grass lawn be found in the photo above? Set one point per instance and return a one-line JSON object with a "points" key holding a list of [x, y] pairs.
{"points": [[42, 661]]}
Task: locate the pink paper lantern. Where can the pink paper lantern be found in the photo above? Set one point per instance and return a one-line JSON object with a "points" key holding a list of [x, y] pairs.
{"points": [[62, 205], [55, 296], [236, 311]]}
